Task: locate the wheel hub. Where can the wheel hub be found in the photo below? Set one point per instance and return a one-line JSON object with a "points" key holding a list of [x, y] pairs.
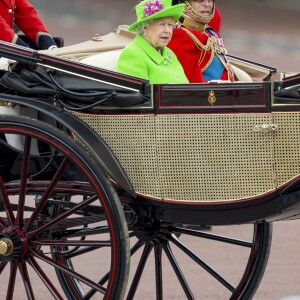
{"points": [[6, 247], [152, 231], [13, 244]]}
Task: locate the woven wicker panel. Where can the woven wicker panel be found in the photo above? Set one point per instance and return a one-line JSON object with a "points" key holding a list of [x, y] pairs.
{"points": [[287, 146], [214, 157], [200, 158], [132, 139]]}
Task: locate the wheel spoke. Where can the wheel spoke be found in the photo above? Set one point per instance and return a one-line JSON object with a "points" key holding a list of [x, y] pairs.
{"points": [[105, 277], [6, 203], [158, 271], [214, 237], [177, 271], [2, 266], [90, 209], [63, 215], [70, 272], [203, 264], [92, 292], [83, 232], [97, 244], [12, 281], [73, 254], [48, 192], [33, 263], [60, 228], [139, 271], [23, 183], [136, 247], [89, 294], [26, 280]]}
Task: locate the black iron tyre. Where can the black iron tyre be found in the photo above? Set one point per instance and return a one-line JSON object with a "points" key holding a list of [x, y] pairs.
{"points": [[63, 233]]}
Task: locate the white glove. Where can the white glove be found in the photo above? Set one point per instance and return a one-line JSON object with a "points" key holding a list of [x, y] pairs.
{"points": [[52, 47]]}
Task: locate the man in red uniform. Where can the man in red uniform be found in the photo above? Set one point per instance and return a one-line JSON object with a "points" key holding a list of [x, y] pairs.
{"points": [[24, 15], [216, 21], [198, 47]]}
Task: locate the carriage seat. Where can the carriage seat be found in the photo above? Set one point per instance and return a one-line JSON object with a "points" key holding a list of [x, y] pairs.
{"points": [[240, 74], [106, 60], [109, 59], [104, 51]]}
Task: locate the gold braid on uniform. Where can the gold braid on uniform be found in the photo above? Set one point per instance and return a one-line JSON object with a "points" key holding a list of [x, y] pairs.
{"points": [[187, 22], [203, 48], [212, 46]]}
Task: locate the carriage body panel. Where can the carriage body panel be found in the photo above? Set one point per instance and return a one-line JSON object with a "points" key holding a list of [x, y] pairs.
{"points": [[180, 152], [197, 144]]}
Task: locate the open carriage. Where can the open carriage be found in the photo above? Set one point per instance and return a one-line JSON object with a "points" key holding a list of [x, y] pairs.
{"points": [[99, 169]]}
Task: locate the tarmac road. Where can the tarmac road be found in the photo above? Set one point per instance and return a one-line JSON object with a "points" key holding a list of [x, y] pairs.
{"points": [[280, 281]]}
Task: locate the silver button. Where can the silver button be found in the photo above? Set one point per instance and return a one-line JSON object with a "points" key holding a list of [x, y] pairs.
{"points": [[165, 63]]}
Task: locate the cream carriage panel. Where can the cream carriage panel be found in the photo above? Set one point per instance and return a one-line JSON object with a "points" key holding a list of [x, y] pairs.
{"points": [[192, 158], [132, 139], [287, 146], [210, 158]]}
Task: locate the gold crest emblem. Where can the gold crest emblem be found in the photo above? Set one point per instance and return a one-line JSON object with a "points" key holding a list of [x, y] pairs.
{"points": [[212, 98]]}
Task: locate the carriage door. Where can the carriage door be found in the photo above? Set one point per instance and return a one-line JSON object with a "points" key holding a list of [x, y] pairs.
{"points": [[215, 153], [287, 146]]}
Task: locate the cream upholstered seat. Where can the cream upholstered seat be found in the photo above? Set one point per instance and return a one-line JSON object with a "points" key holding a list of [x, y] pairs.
{"points": [[241, 74], [106, 60]]}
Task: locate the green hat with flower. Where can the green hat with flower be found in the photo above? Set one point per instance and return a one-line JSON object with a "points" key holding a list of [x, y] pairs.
{"points": [[148, 10]]}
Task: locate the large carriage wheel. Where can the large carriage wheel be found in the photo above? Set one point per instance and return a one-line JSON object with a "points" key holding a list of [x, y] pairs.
{"points": [[63, 234], [226, 262]]}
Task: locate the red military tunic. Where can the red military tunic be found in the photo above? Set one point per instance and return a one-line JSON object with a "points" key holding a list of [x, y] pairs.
{"points": [[216, 21], [196, 50], [24, 15]]}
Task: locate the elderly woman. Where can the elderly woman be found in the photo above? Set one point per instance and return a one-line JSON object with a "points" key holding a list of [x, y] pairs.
{"points": [[147, 55]]}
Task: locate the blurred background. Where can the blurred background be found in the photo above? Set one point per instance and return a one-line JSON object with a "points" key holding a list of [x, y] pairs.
{"points": [[266, 31]]}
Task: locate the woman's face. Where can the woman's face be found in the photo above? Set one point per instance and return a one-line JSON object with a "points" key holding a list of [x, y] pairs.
{"points": [[159, 32], [202, 7]]}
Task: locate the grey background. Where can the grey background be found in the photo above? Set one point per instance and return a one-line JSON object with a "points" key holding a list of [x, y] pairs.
{"points": [[266, 31]]}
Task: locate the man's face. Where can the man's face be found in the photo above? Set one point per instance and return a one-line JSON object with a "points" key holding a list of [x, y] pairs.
{"points": [[202, 7]]}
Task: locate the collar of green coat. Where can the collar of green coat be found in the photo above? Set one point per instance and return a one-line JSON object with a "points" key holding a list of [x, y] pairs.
{"points": [[152, 52]]}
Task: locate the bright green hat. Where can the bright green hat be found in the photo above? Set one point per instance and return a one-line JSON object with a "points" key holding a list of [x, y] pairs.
{"points": [[148, 10]]}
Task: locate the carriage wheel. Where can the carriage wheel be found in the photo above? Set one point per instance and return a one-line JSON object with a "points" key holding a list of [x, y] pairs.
{"points": [[63, 234], [226, 262]]}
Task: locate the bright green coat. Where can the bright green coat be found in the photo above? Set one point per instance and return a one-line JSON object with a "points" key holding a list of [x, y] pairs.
{"points": [[140, 59]]}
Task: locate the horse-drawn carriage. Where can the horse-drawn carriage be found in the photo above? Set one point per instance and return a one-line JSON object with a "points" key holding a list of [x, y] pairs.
{"points": [[98, 169]]}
